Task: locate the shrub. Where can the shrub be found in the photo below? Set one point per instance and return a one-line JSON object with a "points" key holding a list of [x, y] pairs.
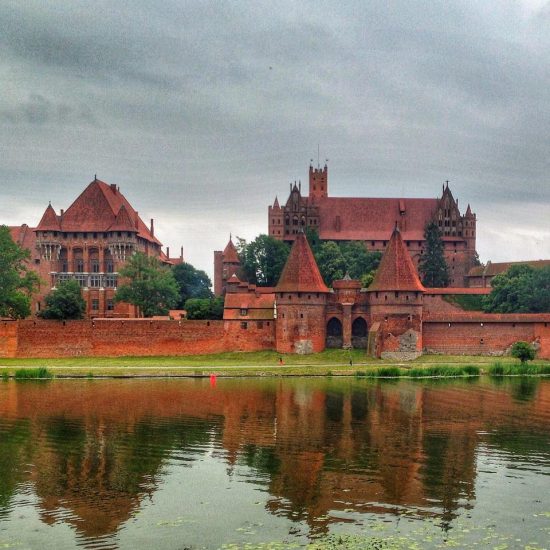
{"points": [[496, 370], [471, 370], [389, 372], [523, 351], [41, 372]]}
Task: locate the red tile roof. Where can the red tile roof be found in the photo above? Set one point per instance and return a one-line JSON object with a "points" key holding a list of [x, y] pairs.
{"points": [[24, 236], [301, 273], [123, 222], [49, 221], [96, 209], [458, 290], [371, 219], [230, 254], [396, 270]]}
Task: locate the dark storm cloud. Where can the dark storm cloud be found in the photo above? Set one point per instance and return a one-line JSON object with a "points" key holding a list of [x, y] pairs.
{"points": [[200, 108]]}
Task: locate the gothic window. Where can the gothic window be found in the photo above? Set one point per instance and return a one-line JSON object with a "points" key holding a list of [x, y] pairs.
{"points": [[110, 305], [95, 304], [95, 281], [295, 220]]}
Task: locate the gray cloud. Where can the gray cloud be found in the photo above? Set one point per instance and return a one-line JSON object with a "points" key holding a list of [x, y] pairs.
{"points": [[203, 111]]}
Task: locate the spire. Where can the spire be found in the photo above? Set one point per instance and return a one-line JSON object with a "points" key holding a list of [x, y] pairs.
{"points": [[230, 254], [469, 212], [396, 270], [276, 203], [49, 221], [301, 273]]}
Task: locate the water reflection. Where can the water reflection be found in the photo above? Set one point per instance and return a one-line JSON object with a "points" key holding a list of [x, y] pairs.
{"points": [[324, 451]]}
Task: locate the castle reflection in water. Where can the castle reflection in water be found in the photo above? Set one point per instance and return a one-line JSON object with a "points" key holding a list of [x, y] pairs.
{"points": [[92, 451]]}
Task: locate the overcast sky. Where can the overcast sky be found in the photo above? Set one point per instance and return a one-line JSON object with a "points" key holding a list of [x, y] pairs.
{"points": [[202, 112]]}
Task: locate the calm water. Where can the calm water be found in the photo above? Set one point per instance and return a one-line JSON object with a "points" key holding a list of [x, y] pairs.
{"points": [[188, 464]]}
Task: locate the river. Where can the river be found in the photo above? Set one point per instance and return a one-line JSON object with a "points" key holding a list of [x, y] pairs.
{"points": [[275, 463]]}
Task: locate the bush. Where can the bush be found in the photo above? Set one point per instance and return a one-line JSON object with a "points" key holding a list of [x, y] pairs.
{"points": [[523, 351], [389, 372], [41, 372]]}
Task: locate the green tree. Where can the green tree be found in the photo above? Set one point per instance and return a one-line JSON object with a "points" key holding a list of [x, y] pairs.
{"points": [[149, 286], [359, 261], [65, 302], [433, 266], [262, 260], [520, 289], [192, 283], [331, 262], [204, 308], [523, 351], [17, 281]]}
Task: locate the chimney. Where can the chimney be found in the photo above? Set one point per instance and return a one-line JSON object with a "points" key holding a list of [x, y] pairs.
{"points": [[61, 212], [113, 188], [181, 254], [168, 252], [152, 228]]}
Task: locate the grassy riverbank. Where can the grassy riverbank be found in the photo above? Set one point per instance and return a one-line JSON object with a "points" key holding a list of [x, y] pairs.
{"points": [[267, 363]]}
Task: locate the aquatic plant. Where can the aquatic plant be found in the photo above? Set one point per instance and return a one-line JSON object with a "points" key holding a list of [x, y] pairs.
{"points": [[26, 374]]}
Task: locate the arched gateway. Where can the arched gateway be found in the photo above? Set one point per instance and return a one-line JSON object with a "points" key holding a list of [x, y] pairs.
{"points": [[334, 333], [359, 333]]}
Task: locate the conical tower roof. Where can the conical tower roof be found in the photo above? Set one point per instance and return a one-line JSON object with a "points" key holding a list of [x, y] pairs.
{"points": [[49, 221], [301, 273], [230, 253], [396, 270]]}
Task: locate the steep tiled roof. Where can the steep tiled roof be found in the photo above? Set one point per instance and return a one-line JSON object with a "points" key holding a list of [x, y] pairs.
{"points": [[343, 218], [230, 254], [49, 221], [24, 236], [301, 273], [396, 270], [96, 209], [123, 222], [492, 269]]}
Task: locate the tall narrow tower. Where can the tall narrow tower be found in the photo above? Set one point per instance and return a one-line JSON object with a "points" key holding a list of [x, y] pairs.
{"points": [[318, 182], [300, 297]]}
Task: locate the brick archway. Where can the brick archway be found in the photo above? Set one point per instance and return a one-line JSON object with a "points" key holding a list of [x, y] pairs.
{"points": [[334, 333], [359, 333]]}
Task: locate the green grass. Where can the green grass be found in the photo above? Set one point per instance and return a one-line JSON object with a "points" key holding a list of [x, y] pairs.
{"points": [[420, 372], [499, 369], [26, 374]]}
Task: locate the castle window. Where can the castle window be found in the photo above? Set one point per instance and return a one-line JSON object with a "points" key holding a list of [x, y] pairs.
{"points": [[95, 304], [376, 294], [301, 315], [105, 235], [84, 235], [244, 325], [397, 294], [407, 297], [120, 233], [110, 305], [309, 296], [55, 233], [244, 311], [95, 281], [386, 297], [95, 235], [372, 243], [79, 265]]}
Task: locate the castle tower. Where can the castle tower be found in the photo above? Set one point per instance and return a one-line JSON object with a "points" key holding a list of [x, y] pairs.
{"points": [[396, 298], [300, 297], [275, 220], [226, 264], [469, 233], [318, 182]]}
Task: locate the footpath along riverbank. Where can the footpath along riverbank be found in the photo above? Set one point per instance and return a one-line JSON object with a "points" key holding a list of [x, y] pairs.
{"points": [[327, 363]]}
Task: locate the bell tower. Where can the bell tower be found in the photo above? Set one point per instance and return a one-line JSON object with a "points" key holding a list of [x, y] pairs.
{"points": [[318, 182]]}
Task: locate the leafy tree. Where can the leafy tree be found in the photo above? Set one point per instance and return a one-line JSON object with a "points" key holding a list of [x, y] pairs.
{"points": [[192, 283], [65, 302], [204, 308], [262, 260], [433, 266], [359, 261], [331, 262], [17, 281], [520, 289], [523, 351], [150, 287]]}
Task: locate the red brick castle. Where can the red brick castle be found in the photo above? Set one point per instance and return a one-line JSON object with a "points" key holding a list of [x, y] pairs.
{"points": [[372, 220]]}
